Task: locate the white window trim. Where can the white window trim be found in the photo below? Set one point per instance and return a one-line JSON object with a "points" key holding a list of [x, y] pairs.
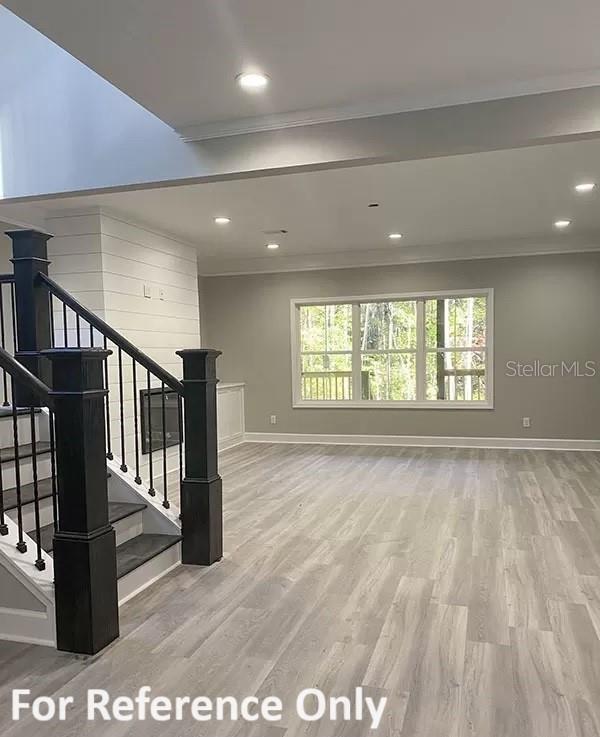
{"points": [[298, 403]]}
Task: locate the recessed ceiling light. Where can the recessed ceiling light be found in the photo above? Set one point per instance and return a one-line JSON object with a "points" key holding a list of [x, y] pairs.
{"points": [[561, 224], [252, 81], [222, 220], [272, 246], [395, 236], [585, 187]]}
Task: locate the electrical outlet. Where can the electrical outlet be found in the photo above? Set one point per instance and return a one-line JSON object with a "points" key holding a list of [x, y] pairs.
{"points": [[526, 421], [273, 419], [162, 293]]}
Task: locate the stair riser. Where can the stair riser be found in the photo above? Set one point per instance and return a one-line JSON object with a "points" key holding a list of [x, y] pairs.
{"points": [[139, 579], [24, 427], [44, 468], [46, 516], [125, 529], [128, 528]]}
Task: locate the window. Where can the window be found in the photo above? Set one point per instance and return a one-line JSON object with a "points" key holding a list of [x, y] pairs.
{"points": [[430, 350], [326, 351]]}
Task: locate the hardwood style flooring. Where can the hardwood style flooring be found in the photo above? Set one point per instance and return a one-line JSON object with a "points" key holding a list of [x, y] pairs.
{"points": [[464, 585]]}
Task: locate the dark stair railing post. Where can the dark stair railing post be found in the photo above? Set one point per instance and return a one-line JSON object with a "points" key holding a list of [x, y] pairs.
{"points": [[85, 569], [30, 257], [201, 488]]}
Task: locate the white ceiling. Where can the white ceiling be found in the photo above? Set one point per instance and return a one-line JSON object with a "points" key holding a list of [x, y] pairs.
{"points": [[477, 198], [179, 58]]}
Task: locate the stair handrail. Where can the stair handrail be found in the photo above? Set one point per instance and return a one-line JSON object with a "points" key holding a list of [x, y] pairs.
{"points": [[111, 334], [23, 376]]}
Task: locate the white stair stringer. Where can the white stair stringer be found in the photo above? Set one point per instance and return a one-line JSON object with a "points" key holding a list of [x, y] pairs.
{"points": [[26, 593]]}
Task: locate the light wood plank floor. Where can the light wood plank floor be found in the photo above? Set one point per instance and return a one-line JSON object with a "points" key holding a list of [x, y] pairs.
{"points": [[463, 584]]}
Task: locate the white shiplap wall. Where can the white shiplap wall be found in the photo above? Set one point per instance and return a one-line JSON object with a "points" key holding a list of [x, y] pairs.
{"points": [[109, 265], [134, 257], [75, 254]]}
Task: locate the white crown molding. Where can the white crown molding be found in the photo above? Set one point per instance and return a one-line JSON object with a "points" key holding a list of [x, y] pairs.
{"points": [[386, 106], [425, 441], [408, 255]]}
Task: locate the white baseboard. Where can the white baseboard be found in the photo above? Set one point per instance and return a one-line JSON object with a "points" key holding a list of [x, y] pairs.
{"points": [[425, 441], [231, 441]]}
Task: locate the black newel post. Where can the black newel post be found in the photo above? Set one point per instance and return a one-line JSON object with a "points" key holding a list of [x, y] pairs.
{"points": [[30, 256], [85, 568], [201, 488]]}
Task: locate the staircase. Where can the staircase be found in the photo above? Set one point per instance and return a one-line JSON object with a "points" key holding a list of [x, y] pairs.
{"points": [[86, 522]]}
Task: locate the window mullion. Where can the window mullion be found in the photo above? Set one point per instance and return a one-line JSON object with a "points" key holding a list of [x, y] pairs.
{"points": [[420, 359], [356, 363]]}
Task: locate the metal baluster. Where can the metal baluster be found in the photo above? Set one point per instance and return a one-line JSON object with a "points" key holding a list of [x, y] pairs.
{"points": [[39, 563], [180, 424], [137, 479], [13, 311], [53, 470], [109, 453], [151, 490], [65, 325], [3, 525], [51, 310], [14, 323], [21, 544], [91, 336], [5, 403], [165, 502], [78, 329], [121, 411]]}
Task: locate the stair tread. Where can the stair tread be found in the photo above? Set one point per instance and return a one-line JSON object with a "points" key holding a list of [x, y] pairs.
{"points": [[10, 495], [139, 550], [116, 512], [8, 454], [120, 510]]}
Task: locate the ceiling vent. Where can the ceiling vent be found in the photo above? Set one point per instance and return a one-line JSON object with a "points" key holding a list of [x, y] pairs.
{"points": [[277, 231]]}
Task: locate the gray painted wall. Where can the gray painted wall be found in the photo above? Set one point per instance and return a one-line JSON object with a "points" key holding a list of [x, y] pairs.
{"points": [[546, 308]]}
